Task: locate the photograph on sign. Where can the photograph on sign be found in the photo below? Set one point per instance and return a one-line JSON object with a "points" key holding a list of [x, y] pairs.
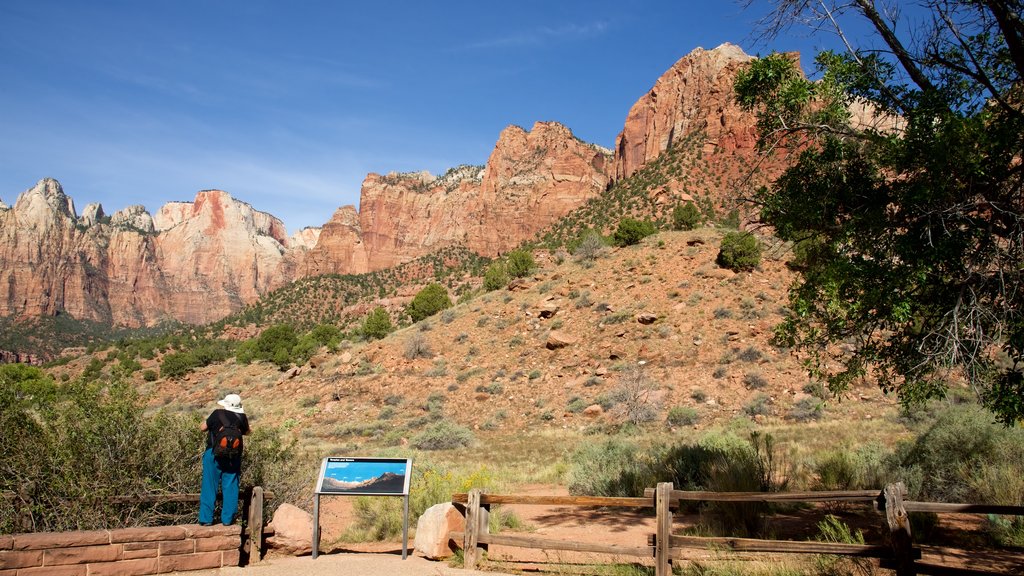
{"points": [[365, 476]]}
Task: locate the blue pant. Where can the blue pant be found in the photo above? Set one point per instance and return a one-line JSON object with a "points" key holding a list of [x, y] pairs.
{"points": [[219, 474]]}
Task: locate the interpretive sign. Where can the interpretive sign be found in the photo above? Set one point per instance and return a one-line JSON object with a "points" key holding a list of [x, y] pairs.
{"points": [[356, 476], [364, 476]]}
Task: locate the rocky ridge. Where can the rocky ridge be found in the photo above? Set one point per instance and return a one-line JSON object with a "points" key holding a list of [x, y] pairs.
{"points": [[198, 261]]}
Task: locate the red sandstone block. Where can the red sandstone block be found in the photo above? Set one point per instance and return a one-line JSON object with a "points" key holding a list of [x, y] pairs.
{"points": [[8, 573], [6, 543], [77, 570], [197, 531], [152, 534], [141, 553], [218, 543], [20, 559], [50, 540], [231, 558], [134, 546], [190, 562], [126, 568], [178, 547], [81, 555]]}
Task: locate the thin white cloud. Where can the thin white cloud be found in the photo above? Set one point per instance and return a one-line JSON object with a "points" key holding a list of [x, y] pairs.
{"points": [[541, 36]]}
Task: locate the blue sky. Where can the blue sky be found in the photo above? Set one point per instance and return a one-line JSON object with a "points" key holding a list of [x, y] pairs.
{"points": [[288, 105]]}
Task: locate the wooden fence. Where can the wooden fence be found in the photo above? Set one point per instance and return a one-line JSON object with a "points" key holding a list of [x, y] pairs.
{"points": [[250, 504], [898, 553]]}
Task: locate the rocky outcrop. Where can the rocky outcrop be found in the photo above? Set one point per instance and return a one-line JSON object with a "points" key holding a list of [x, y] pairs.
{"points": [[530, 181], [694, 96]]}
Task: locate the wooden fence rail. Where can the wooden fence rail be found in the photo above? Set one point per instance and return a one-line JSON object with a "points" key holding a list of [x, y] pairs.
{"points": [[663, 546]]}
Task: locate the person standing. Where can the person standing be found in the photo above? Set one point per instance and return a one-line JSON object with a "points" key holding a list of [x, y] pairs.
{"points": [[221, 471]]}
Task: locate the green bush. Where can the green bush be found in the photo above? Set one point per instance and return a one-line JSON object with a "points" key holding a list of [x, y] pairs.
{"points": [[739, 251], [496, 276], [443, 435], [683, 416], [686, 216], [377, 324], [177, 364], [631, 231], [613, 467], [520, 263], [957, 457], [428, 301]]}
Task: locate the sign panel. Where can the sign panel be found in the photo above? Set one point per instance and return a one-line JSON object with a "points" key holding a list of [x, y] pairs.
{"points": [[364, 476]]}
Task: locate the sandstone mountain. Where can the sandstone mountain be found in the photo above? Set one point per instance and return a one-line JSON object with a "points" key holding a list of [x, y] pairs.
{"points": [[198, 261], [193, 262]]}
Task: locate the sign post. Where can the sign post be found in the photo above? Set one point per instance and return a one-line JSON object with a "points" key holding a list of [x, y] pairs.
{"points": [[356, 476]]}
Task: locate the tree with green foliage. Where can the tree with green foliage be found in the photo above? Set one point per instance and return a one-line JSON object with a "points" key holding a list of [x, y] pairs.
{"points": [[686, 216], [519, 263], [496, 276], [631, 231], [377, 324], [916, 212], [739, 251], [428, 301]]}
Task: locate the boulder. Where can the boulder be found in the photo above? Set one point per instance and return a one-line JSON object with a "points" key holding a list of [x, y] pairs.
{"points": [[433, 527], [558, 339], [293, 530]]}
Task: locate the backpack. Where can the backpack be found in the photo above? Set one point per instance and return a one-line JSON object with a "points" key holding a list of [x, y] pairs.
{"points": [[227, 441]]}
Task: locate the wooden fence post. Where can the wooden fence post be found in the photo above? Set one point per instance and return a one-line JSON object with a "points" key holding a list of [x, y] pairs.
{"points": [[255, 543], [662, 498], [469, 548], [899, 529]]}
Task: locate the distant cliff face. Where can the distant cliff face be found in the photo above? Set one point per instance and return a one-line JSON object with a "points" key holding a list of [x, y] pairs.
{"points": [[198, 261], [694, 96], [195, 262], [531, 180]]}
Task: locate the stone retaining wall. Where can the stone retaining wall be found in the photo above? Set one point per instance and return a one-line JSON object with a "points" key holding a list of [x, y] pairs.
{"points": [[122, 552]]}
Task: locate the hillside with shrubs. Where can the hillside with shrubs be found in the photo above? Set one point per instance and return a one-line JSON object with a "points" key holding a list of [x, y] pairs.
{"points": [[632, 343]]}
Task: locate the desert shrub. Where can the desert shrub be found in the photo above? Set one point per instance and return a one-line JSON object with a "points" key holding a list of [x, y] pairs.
{"points": [[275, 344], [806, 409], [576, 405], [683, 416], [519, 263], [632, 397], [588, 247], [759, 405], [686, 216], [631, 231], [749, 354], [149, 375], [612, 467], [416, 346], [377, 324], [381, 518], [758, 468], [950, 460], [177, 364], [496, 276], [67, 447], [443, 435], [739, 251], [832, 529], [428, 301], [754, 380]]}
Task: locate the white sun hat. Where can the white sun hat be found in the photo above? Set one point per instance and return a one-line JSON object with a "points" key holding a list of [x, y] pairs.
{"points": [[232, 402]]}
